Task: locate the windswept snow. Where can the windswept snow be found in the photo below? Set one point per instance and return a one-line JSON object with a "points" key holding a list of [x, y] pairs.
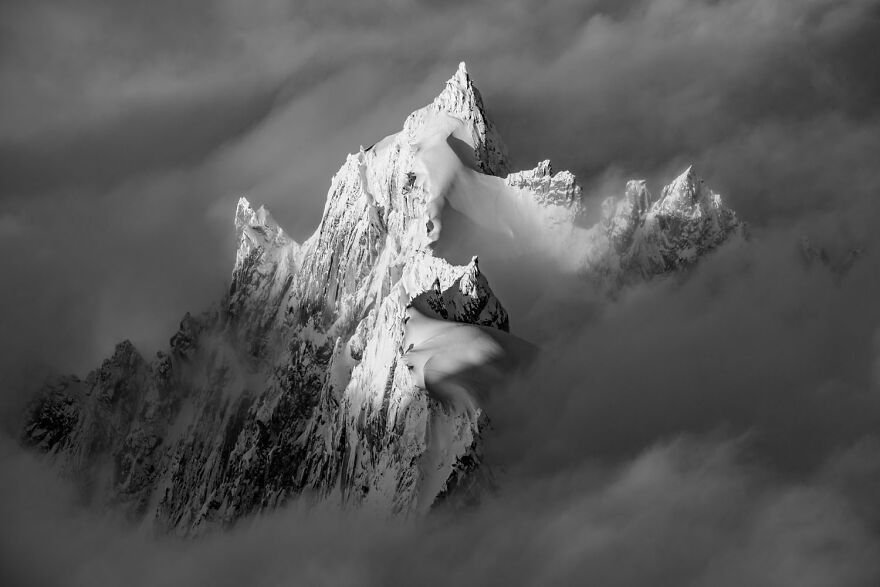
{"points": [[508, 219], [457, 362]]}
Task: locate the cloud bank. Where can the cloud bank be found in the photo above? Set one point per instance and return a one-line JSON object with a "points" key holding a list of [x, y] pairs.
{"points": [[716, 429]]}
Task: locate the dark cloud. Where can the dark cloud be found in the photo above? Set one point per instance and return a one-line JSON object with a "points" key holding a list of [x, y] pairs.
{"points": [[754, 342], [126, 135], [156, 137], [681, 513]]}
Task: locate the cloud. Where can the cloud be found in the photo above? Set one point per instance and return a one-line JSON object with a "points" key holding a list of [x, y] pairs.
{"points": [[754, 342], [127, 137], [681, 512]]}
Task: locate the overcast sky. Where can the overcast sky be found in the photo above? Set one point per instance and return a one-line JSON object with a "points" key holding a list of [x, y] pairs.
{"points": [[722, 430]]}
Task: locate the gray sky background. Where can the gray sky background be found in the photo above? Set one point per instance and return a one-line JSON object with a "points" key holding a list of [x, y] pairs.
{"points": [[717, 431]]}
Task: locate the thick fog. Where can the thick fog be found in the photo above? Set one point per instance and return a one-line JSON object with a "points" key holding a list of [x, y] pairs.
{"points": [[718, 428]]}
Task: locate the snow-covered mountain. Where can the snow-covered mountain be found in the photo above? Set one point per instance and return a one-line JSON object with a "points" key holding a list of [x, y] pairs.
{"points": [[349, 367]]}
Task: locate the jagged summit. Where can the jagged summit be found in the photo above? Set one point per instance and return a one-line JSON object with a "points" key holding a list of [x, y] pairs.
{"points": [[467, 299], [648, 237], [461, 99], [550, 187], [258, 224], [257, 231], [462, 79], [688, 195]]}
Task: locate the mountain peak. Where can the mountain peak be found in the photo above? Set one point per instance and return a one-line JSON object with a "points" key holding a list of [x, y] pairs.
{"points": [[469, 282], [246, 215], [688, 180], [256, 229], [243, 213], [305, 354], [460, 91], [549, 188], [684, 195], [260, 219], [461, 99], [463, 297]]}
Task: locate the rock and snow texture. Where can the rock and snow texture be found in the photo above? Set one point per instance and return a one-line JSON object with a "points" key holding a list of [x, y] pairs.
{"points": [[468, 299], [461, 100], [640, 237], [350, 367], [548, 188]]}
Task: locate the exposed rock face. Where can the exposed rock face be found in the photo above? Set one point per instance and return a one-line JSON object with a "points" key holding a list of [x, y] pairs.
{"points": [[463, 101], [641, 237], [469, 299], [298, 382], [556, 189]]}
